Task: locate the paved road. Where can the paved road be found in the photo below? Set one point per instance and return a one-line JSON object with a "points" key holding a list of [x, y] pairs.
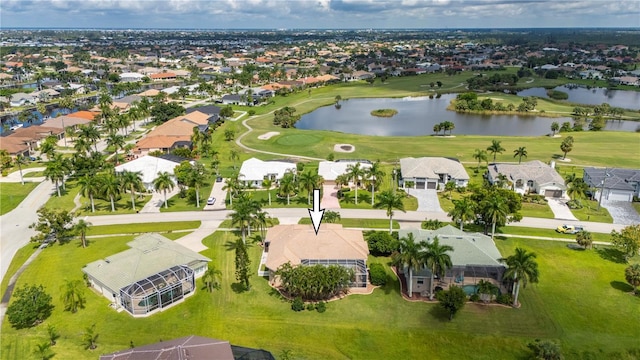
{"points": [[14, 226]]}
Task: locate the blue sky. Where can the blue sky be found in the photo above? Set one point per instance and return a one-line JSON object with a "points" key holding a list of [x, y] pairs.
{"points": [[277, 14]]}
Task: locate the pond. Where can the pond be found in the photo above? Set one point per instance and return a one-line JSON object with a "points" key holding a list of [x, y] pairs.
{"points": [[417, 116], [594, 96]]}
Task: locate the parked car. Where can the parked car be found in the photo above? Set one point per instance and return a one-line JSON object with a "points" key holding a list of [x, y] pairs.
{"points": [[211, 201], [570, 229], [219, 179]]}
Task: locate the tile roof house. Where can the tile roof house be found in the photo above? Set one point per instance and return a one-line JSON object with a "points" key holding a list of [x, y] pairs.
{"points": [[432, 172], [333, 245], [615, 184], [173, 133], [474, 256], [15, 145], [154, 274], [532, 176], [330, 170], [149, 167], [253, 171]]}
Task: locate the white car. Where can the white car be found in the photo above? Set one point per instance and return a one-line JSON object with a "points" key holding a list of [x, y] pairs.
{"points": [[211, 201]]}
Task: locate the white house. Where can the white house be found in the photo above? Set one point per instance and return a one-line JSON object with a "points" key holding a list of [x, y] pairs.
{"points": [[149, 167], [330, 170], [131, 77], [532, 176], [432, 172], [254, 171]]}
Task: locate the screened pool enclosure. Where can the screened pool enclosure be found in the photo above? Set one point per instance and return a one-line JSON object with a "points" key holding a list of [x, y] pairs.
{"points": [[158, 291], [358, 266]]}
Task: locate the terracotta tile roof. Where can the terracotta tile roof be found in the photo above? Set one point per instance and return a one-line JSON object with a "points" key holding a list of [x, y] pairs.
{"points": [[89, 115], [36, 132], [160, 141], [61, 122], [167, 75]]}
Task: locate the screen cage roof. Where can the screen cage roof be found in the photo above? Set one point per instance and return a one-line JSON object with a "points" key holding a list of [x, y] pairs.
{"points": [[158, 281]]}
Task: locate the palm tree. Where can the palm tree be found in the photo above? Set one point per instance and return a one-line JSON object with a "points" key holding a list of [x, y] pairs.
{"points": [[232, 185], [390, 200], [584, 239], [72, 295], [342, 180], [437, 260], [523, 268], [495, 148], [495, 209], [486, 289], [54, 171], [288, 185], [211, 278], [43, 351], [197, 175], [260, 220], [309, 181], [81, 229], [555, 127], [110, 186], [632, 275], [409, 256], [89, 186], [117, 141], [480, 155], [463, 211], [578, 189], [91, 134], [519, 153], [20, 160], [355, 172], [163, 183], [374, 174], [132, 181], [266, 183], [234, 156]]}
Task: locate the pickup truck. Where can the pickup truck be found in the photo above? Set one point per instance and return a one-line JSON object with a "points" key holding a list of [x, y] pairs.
{"points": [[570, 229]]}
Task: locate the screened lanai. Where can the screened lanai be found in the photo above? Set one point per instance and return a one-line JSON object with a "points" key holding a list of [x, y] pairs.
{"points": [[358, 266], [158, 290]]}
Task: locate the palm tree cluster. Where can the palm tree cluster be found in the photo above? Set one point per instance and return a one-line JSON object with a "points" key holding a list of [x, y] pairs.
{"points": [[247, 214], [316, 282], [415, 256], [522, 269], [109, 185], [444, 127]]}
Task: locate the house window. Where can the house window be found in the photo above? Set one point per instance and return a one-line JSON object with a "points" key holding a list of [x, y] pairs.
{"points": [[420, 281], [530, 183], [519, 183]]}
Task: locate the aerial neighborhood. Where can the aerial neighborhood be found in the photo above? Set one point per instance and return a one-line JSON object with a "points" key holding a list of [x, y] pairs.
{"points": [[320, 194]]}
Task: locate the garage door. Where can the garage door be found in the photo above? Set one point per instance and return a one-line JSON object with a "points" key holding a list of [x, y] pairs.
{"points": [[618, 196], [420, 185], [431, 185], [553, 193]]}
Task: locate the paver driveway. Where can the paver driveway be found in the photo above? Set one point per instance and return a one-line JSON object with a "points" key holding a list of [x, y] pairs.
{"points": [[622, 212]]}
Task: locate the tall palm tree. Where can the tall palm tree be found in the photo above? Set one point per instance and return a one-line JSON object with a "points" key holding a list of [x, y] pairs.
{"points": [[163, 183], [519, 153], [355, 172], [495, 148], [266, 184], [309, 181], [261, 220], [118, 142], [463, 211], [197, 176], [232, 185], [110, 186], [72, 295], [132, 181], [584, 239], [374, 174], [496, 210], [523, 268], [123, 121], [81, 228], [20, 160], [288, 184], [234, 156], [91, 134], [390, 200], [410, 255], [89, 186], [437, 260], [54, 171], [480, 155], [578, 189], [242, 215]]}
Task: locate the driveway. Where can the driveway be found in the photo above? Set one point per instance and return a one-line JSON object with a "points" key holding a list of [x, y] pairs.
{"points": [[219, 194], [329, 197], [427, 199], [560, 209], [622, 212]]}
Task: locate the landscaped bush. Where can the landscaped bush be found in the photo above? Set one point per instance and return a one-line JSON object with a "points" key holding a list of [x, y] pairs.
{"points": [[504, 299], [474, 298], [574, 204], [433, 224], [251, 112], [321, 307], [377, 274], [310, 307], [381, 243], [534, 199], [299, 166], [297, 304]]}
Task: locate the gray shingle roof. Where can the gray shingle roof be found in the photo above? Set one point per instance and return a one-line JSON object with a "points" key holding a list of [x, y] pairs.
{"points": [[534, 170], [430, 167], [149, 254], [618, 179]]}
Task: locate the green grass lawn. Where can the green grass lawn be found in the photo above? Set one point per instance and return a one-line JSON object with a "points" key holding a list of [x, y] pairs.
{"points": [[591, 314], [516, 230], [536, 210], [360, 223], [636, 205], [33, 174], [590, 212], [12, 194], [143, 227], [177, 203], [348, 201]]}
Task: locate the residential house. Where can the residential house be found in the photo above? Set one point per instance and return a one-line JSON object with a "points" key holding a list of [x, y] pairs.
{"points": [[615, 184], [149, 167], [529, 177], [232, 99], [15, 145], [431, 172], [155, 274], [131, 77], [254, 171], [474, 257], [332, 245], [173, 134], [330, 170]]}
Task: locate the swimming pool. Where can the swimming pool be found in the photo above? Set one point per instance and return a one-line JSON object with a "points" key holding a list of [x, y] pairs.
{"points": [[473, 289]]}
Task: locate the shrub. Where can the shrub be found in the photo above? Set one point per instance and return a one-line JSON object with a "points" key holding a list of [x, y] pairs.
{"points": [[432, 224], [331, 157], [297, 304], [377, 274], [321, 307], [251, 112], [504, 299], [574, 204], [32, 305], [381, 243], [299, 166], [310, 307], [474, 297], [557, 95]]}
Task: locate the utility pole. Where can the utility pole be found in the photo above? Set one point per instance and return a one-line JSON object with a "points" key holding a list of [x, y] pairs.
{"points": [[602, 188]]}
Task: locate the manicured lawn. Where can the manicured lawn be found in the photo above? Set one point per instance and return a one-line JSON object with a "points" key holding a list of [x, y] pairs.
{"points": [[636, 205], [581, 301], [122, 205], [360, 223], [33, 174], [348, 201], [516, 230], [143, 228], [177, 203], [536, 210], [590, 212], [12, 194], [226, 224]]}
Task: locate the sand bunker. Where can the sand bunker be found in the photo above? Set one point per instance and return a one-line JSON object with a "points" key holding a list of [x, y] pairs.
{"points": [[268, 135], [345, 148]]}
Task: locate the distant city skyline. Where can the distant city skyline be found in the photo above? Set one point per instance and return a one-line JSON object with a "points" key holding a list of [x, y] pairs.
{"points": [[318, 14]]}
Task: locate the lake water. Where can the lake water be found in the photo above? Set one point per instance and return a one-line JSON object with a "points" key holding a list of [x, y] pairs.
{"points": [[417, 116], [594, 96]]}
